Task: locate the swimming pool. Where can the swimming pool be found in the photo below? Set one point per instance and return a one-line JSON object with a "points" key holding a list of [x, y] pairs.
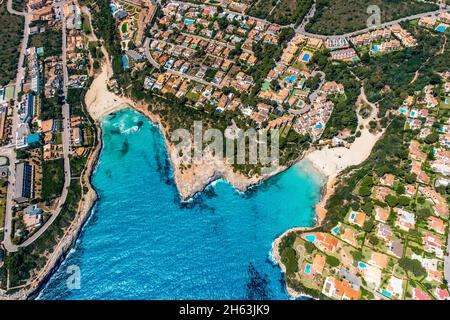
{"points": [[290, 79], [318, 126], [403, 111], [386, 293], [335, 230], [441, 28], [375, 48], [188, 21], [113, 7], [362, 265], [306, 57], [352, 215], [413, 113], [124, 62], [310, 237], [307, 268]]}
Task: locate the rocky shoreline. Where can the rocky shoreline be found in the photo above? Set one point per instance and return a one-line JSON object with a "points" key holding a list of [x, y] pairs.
{"points": [[326, 192], [100, 102], [64, 246]]}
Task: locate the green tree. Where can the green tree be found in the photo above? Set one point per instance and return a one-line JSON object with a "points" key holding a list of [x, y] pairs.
{"points": [[432, 138], [412, 265], [365, 191], [391, 200], [332, 261]]}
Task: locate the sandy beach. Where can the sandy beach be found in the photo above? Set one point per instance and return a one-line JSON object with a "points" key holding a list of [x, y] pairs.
{"points": [[330, 162], [101, 101]]}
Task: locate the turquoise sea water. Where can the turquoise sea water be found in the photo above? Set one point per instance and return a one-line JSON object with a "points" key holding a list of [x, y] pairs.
{"points": [[143, 243]]}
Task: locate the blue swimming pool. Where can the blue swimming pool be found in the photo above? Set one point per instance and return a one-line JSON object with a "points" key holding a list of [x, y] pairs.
{"points": [[335, 230], [188, 21], [113, 7], [318, 126], [362, 265], [441, 28], [375, 48], [352, 215], [307, 269], [403, 111], [290, 79], [386, 293], [125, 62], [311, 238], [413, 113], [306, 57]]}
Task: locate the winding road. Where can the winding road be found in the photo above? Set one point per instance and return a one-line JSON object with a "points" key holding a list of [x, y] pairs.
{"points": [[8, 151], [65, 140]]}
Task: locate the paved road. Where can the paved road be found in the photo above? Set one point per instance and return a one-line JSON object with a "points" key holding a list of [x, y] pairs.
{"points": [[9, 150], [313, 96], [178, 73], [301, 28], [148, 55], [306, 19], [447, 263], [383, 25], [65, 140], [13, 11]]}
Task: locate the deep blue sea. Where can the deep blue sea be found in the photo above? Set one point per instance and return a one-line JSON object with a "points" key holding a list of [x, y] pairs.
{"points": [[141, 242]]}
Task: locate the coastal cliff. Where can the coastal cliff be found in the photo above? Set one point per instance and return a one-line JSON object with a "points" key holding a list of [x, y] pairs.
{"points": [[63, 247], [190, 180]]}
